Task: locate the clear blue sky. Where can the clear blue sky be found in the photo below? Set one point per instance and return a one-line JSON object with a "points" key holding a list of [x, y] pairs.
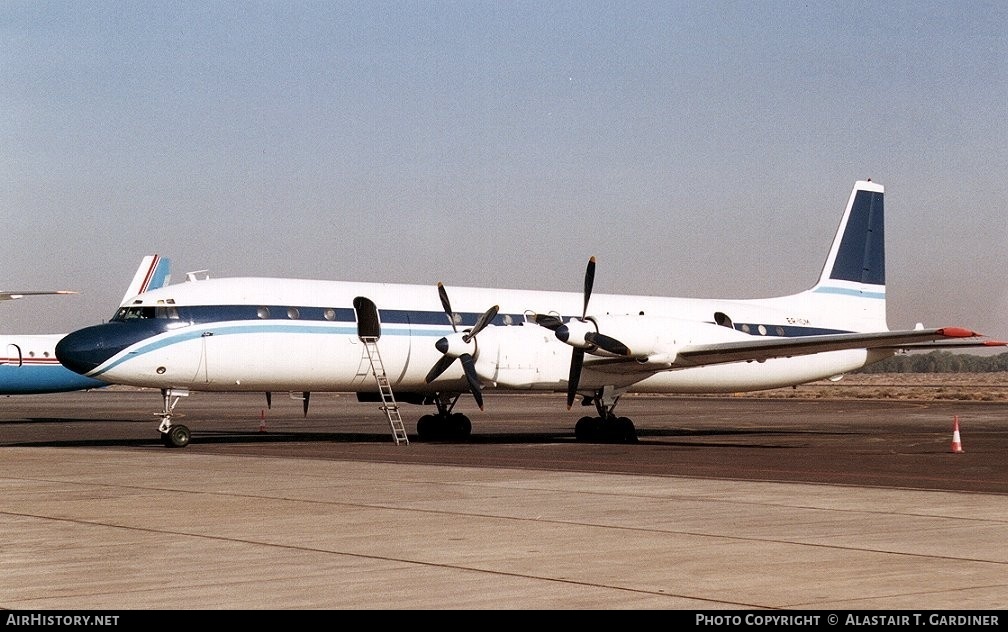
{"points": [[696, 148]]}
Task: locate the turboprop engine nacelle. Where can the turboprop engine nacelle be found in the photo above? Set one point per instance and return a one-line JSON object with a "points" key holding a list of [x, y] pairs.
{"points": [[642, 335], [522, 357], [648, 339]]}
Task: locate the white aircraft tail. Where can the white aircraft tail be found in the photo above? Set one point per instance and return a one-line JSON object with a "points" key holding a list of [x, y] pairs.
{"points": [[154, 272], [850, 292]]}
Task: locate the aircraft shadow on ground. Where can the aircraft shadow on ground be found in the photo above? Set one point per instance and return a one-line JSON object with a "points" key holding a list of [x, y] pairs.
{"points": [[682, 437], [65, 420]]}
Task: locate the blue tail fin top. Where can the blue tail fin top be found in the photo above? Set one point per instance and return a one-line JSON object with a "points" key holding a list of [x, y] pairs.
{"points": [[861, 255]]}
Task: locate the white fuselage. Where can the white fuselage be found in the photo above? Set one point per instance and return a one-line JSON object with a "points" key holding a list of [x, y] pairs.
{"points": [[297, 347]]}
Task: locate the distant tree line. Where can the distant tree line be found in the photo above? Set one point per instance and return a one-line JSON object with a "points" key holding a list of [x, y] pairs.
{"points": [[939, 362]]}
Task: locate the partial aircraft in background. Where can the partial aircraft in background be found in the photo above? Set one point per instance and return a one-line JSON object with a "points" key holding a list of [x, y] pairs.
{"points": [[29, 365], [396, 343]]}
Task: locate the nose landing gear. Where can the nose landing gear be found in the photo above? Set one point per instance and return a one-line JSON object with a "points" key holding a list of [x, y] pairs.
{"points": [[172, 435]]}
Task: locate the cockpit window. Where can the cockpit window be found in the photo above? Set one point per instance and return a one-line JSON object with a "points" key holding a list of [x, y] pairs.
{"points": [[134, 313], [137, 312]]}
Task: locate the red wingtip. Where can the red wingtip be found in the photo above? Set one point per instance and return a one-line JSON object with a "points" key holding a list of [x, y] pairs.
{"points": [[957, 332], [995, 343]]}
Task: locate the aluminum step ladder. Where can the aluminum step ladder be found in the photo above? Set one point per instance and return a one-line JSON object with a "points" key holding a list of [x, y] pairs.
{"points": [[389, 404]]}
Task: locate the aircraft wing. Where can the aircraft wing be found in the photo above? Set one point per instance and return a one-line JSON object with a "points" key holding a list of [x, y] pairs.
{"points": [[10, 296], [760, 349], [952, 344]]}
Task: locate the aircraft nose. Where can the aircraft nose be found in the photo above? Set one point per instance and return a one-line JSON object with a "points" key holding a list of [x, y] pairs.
{"points": [[86, 349]]}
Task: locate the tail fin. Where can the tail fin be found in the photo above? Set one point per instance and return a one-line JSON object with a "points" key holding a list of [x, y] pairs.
{"points": [[154, 272], [854, 273]]}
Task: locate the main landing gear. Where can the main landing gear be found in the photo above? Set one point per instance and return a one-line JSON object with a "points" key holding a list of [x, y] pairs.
{"points": [[172, 435], [607, 427], [445, 424]]}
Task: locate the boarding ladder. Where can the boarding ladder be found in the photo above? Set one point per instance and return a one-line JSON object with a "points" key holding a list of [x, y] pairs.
{"points": [[389, 404]]}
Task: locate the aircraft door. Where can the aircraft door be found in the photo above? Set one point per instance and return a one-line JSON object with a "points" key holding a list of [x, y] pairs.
{"points": [[394, 346], [13, 355], [368, 325]]}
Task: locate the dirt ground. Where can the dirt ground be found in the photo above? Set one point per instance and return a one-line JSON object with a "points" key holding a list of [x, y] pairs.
{"points": [[992, 387]]}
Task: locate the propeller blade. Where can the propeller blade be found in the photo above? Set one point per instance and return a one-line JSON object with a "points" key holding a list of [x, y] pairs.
{"points": [[589, 282], [577, 359], [307, 396], [470, 373], [439, 367], [482, 322], [607, 343], [443, 293], [548, 321]]}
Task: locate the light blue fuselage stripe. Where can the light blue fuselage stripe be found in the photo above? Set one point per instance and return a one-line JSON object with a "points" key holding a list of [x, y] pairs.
{"points": [[260, 328], [200, 330], [843, 291]]}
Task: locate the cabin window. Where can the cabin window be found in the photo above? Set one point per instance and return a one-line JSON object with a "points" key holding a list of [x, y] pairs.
{"points": [[292, 313], [262, 312], [330, 313]]}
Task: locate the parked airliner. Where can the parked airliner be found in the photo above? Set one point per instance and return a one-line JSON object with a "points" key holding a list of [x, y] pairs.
{"points": [[29, 365], [411, 343]]}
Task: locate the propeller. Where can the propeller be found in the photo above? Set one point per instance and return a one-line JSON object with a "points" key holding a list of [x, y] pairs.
{"points": [[548, 321], [459, 347], [564, 333], [607, 343]]}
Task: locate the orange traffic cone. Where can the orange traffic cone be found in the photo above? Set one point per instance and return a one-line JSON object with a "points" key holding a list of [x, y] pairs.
{"points": [[956, 442]]}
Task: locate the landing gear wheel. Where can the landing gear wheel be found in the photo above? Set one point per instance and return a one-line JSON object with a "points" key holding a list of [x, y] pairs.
{"points": [[176, 437], [425, 427], [586, 429], [626, 430], [459, 425]]}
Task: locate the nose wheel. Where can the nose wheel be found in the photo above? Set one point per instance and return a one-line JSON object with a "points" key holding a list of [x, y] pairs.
{"points": [[172, 435], [176, 437]]}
